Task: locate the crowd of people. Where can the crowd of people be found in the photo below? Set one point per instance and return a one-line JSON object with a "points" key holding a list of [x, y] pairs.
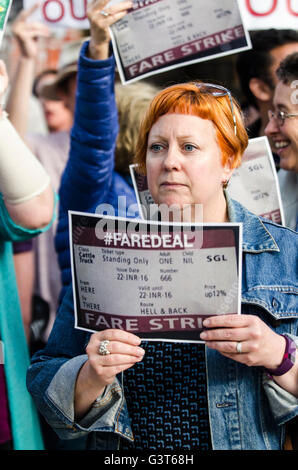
{"points": [[65, 388]]}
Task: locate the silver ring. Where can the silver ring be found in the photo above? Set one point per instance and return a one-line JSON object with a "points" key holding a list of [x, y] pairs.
{"points": [[103, 350], [104, 13], [239, 347]]}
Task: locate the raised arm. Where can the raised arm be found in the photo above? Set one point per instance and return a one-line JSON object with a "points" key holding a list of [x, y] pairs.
{"points": [[26, 34], [24, 184], [93, 138]]}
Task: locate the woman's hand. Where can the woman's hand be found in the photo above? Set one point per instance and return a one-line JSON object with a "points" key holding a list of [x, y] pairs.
{"points": [[260, 345], [99, 25], [100, 371], [27, 33], [3, 81]]}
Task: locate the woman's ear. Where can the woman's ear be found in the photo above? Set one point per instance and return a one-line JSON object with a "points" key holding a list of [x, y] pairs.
{"points": [[227, 170], [260, 89]]}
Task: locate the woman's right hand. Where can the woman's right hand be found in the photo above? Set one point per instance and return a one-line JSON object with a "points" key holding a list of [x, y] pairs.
{"points": [[100, 371], [99, 25]]}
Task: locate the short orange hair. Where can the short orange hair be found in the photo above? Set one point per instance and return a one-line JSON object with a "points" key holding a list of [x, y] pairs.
{"points": [[187, 98]]}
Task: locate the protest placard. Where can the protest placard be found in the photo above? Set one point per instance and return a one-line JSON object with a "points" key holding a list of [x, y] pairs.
{"points": [[69, 14], [130, 274], [5, 6], [279, 14], [254, 184], [160, 35]]}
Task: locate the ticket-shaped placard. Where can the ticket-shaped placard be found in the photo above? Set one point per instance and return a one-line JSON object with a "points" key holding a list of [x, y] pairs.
{"points": [[5, 6], [254, 184], [156, 280], [160, 35]]}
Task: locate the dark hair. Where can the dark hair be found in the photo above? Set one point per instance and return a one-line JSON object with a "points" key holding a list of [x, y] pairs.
{"points": [[39, 77], [288, 69], [256, 62]]}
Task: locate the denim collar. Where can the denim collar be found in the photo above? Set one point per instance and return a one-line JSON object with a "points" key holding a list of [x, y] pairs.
{"points": [[256, 237]]}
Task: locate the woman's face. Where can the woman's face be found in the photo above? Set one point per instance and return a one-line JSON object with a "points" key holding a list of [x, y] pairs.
{"points": [[285, 137], [184, 164]]}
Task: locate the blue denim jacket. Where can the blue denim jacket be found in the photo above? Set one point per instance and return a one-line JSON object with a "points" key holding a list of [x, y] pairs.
{"points": [[247, 410]]}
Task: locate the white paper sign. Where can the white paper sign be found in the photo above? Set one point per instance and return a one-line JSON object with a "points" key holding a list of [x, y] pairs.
{"points": [[159, 35], [254, 184], [131, 275], [5, 6], [265, 14], [60, 13]]}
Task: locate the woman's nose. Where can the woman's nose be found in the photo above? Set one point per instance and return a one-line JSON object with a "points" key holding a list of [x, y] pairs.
{"points": [[172, 159], [272, 127]]}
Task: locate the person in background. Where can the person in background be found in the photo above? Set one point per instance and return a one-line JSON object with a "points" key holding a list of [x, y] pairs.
{"points": [[26, 209], [103, 137], [126, 395], [57, 116], [36, 264], [256, 72], [282, 128]]}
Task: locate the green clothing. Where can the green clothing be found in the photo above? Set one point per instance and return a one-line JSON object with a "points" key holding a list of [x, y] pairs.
{"points": [[23, 415]]}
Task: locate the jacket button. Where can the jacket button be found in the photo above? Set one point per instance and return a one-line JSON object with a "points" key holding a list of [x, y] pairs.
{"points": [[275, 303]]}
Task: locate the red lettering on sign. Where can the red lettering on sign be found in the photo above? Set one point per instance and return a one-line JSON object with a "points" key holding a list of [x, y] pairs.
{"points": [[289, 5], [44, 10], [74, 15], [256, 13]]}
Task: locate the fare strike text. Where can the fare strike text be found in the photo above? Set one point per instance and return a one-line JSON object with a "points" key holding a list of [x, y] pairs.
{"points": [[185, 50], [152, 324], [145, 240]]}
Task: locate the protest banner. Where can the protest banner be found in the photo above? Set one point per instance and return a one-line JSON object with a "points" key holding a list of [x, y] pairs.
{"points": [[160, 35], [254, 184], [130, 274], [5, 6], [279, 14], [60, 13]]}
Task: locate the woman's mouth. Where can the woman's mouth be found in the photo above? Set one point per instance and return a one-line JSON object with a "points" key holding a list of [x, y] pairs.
{"points": [[169, 184], [281, 145]]}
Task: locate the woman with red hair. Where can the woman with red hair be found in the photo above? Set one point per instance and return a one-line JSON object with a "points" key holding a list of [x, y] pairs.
{"points": [[239, 389]]}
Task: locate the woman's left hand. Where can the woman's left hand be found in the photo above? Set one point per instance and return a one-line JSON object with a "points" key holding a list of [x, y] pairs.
{"points": [[260, 345]]}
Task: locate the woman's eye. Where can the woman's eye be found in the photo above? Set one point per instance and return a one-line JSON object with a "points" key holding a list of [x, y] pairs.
{"points": [[189, 147], [156, 148]]}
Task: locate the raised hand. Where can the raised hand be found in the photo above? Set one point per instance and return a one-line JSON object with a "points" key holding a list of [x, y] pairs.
{"points": [[101, 17], [27, 33]]}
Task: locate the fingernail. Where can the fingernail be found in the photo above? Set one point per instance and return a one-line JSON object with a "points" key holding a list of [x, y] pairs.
{"points": [[141, 351], [203, 335], [206, 322]]}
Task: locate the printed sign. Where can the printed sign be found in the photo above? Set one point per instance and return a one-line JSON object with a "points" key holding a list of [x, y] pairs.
{"points": [[130, 274], [254, 184], [159, 35], [5, 6], [279, 14], [60, 13]]}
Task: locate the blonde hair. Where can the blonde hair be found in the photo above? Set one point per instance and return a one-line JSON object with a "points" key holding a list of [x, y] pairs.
{"points": [[132, 103]]}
